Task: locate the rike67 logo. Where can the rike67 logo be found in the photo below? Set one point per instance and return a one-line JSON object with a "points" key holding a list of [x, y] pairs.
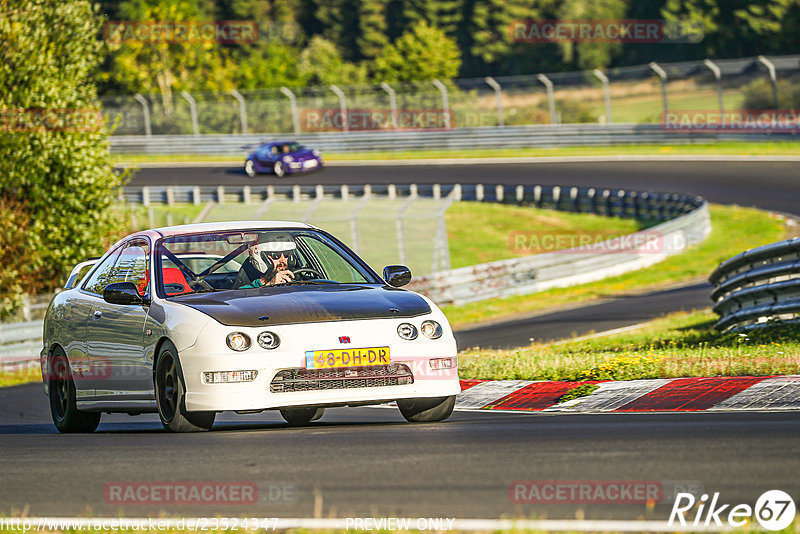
{"points": [[774, 510]]}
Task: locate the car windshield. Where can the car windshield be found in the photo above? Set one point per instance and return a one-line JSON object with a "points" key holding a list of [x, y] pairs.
{"points": [[246, 259]]}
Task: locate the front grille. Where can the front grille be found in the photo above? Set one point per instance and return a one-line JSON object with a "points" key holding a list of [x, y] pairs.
{"points": [[290, 380]]}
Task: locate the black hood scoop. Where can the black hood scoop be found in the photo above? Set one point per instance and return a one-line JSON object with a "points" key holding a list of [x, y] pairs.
{"points": [[269, 306]]}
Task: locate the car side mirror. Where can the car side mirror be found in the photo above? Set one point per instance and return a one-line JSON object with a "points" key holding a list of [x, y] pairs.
{"points": [[124, 293], [397, 275]]}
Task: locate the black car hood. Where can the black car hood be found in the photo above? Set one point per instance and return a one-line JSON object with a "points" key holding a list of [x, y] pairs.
{"points": [[266, 306]]}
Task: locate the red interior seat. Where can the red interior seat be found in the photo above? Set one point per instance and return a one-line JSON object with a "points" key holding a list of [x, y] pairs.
{"points": [[173, 275]]}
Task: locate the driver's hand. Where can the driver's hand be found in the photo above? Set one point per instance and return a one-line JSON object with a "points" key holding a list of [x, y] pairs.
{"points": [[282, 277]]}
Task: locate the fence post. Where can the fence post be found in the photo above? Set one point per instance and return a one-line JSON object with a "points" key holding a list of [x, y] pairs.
{"points": [[392, 102], [663, 75], [170, 196], [772, 78], [342, 107], [445, 102], [345, 192], [398, 223], [499, 193], [246, 194], [437, 192], [479, 192], [196, 195], [193, 110], [242, 111], [145, 196], [293, 105], [146, 111], [354, 222], [391, 191], [551, 99], [498, 95], [718, 75], [606, 92], [220, 194], [296, 193]]}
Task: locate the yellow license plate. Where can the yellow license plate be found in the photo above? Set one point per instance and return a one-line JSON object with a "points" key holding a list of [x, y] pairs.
{"points": [[325, 359]]}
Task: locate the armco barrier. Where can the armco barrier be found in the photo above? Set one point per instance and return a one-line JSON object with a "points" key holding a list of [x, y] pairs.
{"points": [[686, 221], [458, 138], [758, 287], [576, 266]]}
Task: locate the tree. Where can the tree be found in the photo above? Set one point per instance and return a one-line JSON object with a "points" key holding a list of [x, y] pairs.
{"points": [[590, 55], [57, 184], [164, 67], [736, 28], [424, 53], [322, 64]]}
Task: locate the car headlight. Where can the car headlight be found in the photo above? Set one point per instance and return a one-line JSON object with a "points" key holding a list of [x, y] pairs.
{"points": [[238, 341], [431, 329], [268, 340], [407, 331], [288, 159]]}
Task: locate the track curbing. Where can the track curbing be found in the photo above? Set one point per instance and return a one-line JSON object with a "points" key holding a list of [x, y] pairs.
{"points": [[735, 393]]}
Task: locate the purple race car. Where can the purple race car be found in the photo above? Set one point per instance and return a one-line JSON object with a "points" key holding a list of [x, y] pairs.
{"points": [[282, 157]]}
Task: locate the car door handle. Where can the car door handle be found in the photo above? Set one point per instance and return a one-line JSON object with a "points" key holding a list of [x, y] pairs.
{"points": [[98, 314]]}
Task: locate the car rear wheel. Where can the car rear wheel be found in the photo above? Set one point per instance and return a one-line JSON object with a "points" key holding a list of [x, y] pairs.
{"points": [[250, 168], [427, 410], [279, 169], [301, 416], [61, 389], [170, 395]]}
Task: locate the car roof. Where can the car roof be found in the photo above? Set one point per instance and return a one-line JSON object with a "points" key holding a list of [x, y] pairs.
{"points": [[227, 225]]}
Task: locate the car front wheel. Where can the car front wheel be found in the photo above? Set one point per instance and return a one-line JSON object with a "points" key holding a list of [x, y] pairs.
{"points": [[279, 169], [250, 168], [170, 395], [301, 416], [427, 410], [61, 388]]}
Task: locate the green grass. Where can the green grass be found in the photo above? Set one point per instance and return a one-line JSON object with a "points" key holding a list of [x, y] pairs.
{"points": [[745, 148], [20, 375], [734, 229], [480, 233], [680, 345]]}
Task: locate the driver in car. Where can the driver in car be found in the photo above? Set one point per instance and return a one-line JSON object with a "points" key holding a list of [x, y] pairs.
{"points": [[267, 264]]}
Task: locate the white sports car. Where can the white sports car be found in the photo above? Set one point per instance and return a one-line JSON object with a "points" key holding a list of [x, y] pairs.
{"points": [[281, 316]]}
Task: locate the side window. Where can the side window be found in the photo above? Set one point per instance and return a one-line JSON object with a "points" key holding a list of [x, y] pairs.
{"points": [[102, 275], [132, 266], [263, 152]]}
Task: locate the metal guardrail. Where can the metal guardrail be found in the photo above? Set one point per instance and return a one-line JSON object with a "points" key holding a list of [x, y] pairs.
{"points": [[459, 138], [758, 287], [686, 221]]}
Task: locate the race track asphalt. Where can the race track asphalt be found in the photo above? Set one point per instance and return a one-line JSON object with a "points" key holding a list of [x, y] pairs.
{"points": [[369, 462], [767, 185]]}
